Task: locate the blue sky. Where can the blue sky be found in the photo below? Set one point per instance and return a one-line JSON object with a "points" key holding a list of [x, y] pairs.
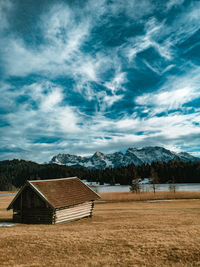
{"points": [[83, 76]]}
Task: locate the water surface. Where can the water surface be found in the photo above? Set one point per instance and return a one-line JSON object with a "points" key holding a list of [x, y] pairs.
{"points": [[147, 187]]}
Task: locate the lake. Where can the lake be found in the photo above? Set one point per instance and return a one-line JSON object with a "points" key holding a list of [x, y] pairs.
{"points": [[146, 187], [125, 188]]}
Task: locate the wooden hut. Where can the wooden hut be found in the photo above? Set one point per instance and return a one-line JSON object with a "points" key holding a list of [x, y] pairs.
{"points": [[53, 201]]}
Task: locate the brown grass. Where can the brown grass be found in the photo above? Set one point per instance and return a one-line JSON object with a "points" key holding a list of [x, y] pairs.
{"points": [[4, 214], [119, 234], [149, 195]]}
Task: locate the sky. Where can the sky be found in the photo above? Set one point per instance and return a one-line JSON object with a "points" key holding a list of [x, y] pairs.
{"points": [[84, 76]]}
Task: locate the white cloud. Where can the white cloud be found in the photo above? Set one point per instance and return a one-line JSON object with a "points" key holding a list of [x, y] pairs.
{"points": [[52, 100], [50, 118], [174, 93], [159, 70], [117, 82], [5, 9], [59, 55], [133, 9], [164, 37], [167, 99], [154, 31], [173, 3], [110, 100], [185, 25], [54, 120]]}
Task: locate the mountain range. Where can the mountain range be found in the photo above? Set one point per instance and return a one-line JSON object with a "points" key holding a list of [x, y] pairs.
{"points": [[137, 156]]}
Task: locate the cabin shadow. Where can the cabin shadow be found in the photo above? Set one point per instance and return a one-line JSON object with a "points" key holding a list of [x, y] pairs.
{"points": [[6, 220]]}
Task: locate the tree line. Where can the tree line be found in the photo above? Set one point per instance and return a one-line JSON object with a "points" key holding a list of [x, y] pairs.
{"points": [[14, 173]]}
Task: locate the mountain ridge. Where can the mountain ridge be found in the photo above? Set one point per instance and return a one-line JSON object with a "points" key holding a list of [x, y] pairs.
{"points": [[137, 156]]}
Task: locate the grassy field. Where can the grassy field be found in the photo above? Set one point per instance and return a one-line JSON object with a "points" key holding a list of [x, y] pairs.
{"points": [[149, 195], [119, 234]]}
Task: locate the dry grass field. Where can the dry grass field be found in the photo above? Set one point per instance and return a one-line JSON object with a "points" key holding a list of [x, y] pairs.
{"points": [[119, 234], [149, 195]]}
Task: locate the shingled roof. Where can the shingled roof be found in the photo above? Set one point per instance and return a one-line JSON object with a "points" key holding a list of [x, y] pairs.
{"points": [[61, 192]]}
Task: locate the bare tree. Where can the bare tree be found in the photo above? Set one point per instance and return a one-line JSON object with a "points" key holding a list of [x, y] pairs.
{"points": [[135, 183], [172, 186], [135, 186], [154, 180]]}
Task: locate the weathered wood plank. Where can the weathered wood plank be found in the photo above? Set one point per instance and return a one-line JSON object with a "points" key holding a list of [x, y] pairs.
{"points": [[73, 214], [72, 218], [77, 206], [73, 210]]}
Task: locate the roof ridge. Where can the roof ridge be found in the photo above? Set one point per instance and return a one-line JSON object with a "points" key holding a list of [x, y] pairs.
{"points": [[48, 180]]}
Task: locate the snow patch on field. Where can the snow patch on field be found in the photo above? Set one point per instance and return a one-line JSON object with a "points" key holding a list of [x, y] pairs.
{"points": [[7, 224]]}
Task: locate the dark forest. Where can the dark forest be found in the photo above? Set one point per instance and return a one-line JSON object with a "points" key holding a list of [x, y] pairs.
{"points": [[14, 173]]}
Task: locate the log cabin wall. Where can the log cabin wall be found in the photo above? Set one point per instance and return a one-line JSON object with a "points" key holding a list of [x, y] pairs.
{"points": [[30, 208], [74, 212], [38, 216]]}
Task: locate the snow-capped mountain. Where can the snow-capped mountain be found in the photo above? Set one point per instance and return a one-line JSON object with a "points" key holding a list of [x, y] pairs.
{"points": [[137, 156]]}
